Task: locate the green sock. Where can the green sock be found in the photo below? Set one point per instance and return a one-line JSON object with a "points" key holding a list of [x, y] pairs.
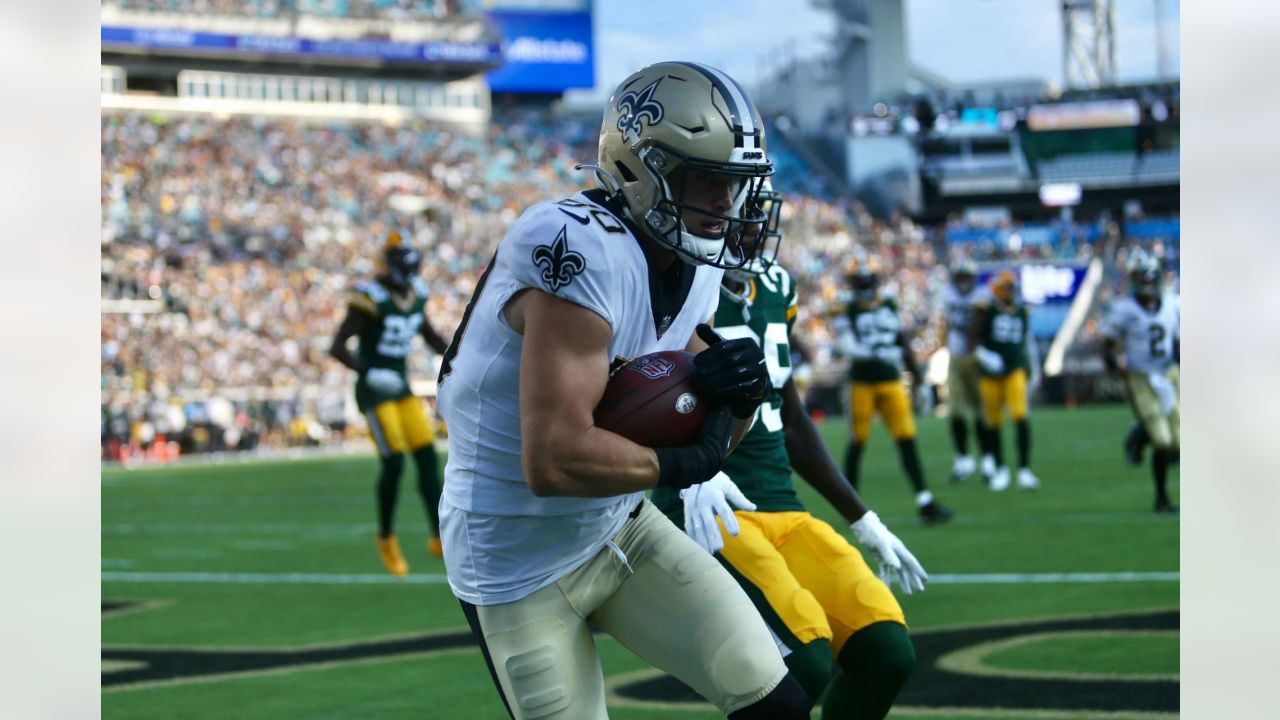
{"points": [[910, 458], [810, 665], [388, 489], [873, 666]]}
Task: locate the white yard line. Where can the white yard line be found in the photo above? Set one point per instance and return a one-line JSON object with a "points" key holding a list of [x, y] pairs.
{"points": [[212, 578]]}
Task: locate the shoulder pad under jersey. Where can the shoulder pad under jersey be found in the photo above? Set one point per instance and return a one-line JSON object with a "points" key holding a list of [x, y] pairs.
{"points": [[564, 251]]}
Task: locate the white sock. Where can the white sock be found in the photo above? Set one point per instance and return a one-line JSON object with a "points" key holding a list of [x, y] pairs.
{"points": [[924, 497]]}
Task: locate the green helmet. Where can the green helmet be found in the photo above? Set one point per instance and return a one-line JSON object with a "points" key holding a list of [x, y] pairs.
{"points": [[672, 118]]}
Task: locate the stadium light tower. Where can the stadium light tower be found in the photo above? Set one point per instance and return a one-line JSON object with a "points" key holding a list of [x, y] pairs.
{"points": [[1088, 43]]}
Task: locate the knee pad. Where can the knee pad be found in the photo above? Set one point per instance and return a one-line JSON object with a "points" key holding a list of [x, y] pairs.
{"points": [[811, 664], [786, 701]]}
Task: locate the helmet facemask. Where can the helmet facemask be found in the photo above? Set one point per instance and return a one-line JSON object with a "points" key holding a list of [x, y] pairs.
{"points": [[758, 243], [866, 285], [668, 220], [402, 265], [1144, 276]]}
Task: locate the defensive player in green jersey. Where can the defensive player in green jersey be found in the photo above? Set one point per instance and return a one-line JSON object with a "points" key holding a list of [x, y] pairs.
{"points": [[1001, 340], [385, 314], [824, 604], [871, 333]]}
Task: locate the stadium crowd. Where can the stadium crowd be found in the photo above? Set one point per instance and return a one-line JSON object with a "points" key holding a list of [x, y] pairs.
{"points": [[228, 246]]}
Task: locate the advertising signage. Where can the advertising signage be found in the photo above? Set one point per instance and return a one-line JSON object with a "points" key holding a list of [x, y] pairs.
{"points": [[543, 52], [438, 52]]}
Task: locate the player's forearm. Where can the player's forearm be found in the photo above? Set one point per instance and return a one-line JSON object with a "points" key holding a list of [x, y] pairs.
{"points": [[433, 339], [343, 355], [590, 462], [811, 460]]}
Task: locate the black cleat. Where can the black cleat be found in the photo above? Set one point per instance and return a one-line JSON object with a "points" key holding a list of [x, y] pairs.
{"points": [[934, 513], [1134, 443], [1164, 507]]}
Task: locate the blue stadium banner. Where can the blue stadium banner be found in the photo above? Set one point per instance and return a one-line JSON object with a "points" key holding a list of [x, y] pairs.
{"points": [[219, 43], [545, 52]]}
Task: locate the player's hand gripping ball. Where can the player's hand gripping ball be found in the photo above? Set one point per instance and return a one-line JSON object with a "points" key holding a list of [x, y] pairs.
{"points": [[652, 401]]}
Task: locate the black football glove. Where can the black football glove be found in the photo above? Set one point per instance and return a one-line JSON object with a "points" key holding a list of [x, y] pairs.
{"points": [[731, 372]]}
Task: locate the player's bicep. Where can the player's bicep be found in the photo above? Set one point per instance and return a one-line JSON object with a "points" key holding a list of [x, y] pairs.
{"points": [[564, 367], [351, 326]]}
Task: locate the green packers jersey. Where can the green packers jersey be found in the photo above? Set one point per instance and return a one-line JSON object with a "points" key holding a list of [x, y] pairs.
{"points": [[759, 466], [1004, 331], [877, 328], [387, 338]]}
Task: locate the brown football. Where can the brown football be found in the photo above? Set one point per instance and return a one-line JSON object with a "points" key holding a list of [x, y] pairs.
{"points": [[651, 400]]}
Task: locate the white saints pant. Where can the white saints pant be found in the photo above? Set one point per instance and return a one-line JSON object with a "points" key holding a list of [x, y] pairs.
{"points": [[656, 592]]}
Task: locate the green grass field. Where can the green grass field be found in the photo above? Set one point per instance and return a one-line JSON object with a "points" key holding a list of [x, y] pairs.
{"points": [[252, 591]]}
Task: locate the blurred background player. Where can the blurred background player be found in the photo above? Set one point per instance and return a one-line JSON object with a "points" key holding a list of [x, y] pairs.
{"points": [[1006, 355], [965, 403], [813, 588], [1141, 347], [871, 333], [385, 314]]}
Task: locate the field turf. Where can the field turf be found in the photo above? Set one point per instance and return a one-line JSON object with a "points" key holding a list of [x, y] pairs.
{"points": [[252, 591]]}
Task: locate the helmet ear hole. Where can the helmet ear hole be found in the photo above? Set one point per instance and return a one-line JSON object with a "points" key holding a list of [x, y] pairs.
{"points": [[625, 172]]}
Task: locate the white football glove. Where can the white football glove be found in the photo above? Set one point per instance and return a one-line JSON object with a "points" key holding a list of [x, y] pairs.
{"points": [[704, 502], [896, 561], [990, 360], [1033, 384], [848, 345], [384, 380]]}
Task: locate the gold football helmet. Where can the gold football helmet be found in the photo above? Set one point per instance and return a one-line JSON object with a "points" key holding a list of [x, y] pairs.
{"points": [[675, 118]]}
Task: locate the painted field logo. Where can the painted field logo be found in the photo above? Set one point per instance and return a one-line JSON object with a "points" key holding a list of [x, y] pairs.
{"points": [[653, 367], [951, 676]]}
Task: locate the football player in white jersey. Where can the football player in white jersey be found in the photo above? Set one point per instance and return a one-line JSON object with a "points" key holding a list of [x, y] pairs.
{"points": [[1141, 347], [958, 299], [545, 526]]}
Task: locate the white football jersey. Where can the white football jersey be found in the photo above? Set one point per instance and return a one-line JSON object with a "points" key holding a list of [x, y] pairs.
{"points": [[501, 542], [959, 309], [1147, 336]]}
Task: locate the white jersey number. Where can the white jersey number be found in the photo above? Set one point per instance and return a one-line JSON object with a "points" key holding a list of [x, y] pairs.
{"points": [[397, 334], [775, 348]]}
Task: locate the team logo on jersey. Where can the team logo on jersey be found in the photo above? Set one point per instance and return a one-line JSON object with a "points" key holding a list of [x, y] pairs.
{"points": [[653, 367], [559, 264], [637, 106]]}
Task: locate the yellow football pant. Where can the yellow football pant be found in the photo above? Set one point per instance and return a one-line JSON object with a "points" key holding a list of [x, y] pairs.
{"points": [[399, 426], [889, 398], [813, 579], [999, 392]]}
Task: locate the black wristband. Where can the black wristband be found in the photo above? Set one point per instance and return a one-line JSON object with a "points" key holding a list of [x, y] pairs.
{"points": [[699, 461], [674, 471]]}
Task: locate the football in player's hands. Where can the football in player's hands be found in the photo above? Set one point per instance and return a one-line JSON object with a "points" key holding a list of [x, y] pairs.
{"points": [[651, 400]]}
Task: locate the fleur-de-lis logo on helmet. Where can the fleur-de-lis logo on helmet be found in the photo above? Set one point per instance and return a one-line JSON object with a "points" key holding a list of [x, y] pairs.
{"points": [[559, 264], [636, 106]]}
